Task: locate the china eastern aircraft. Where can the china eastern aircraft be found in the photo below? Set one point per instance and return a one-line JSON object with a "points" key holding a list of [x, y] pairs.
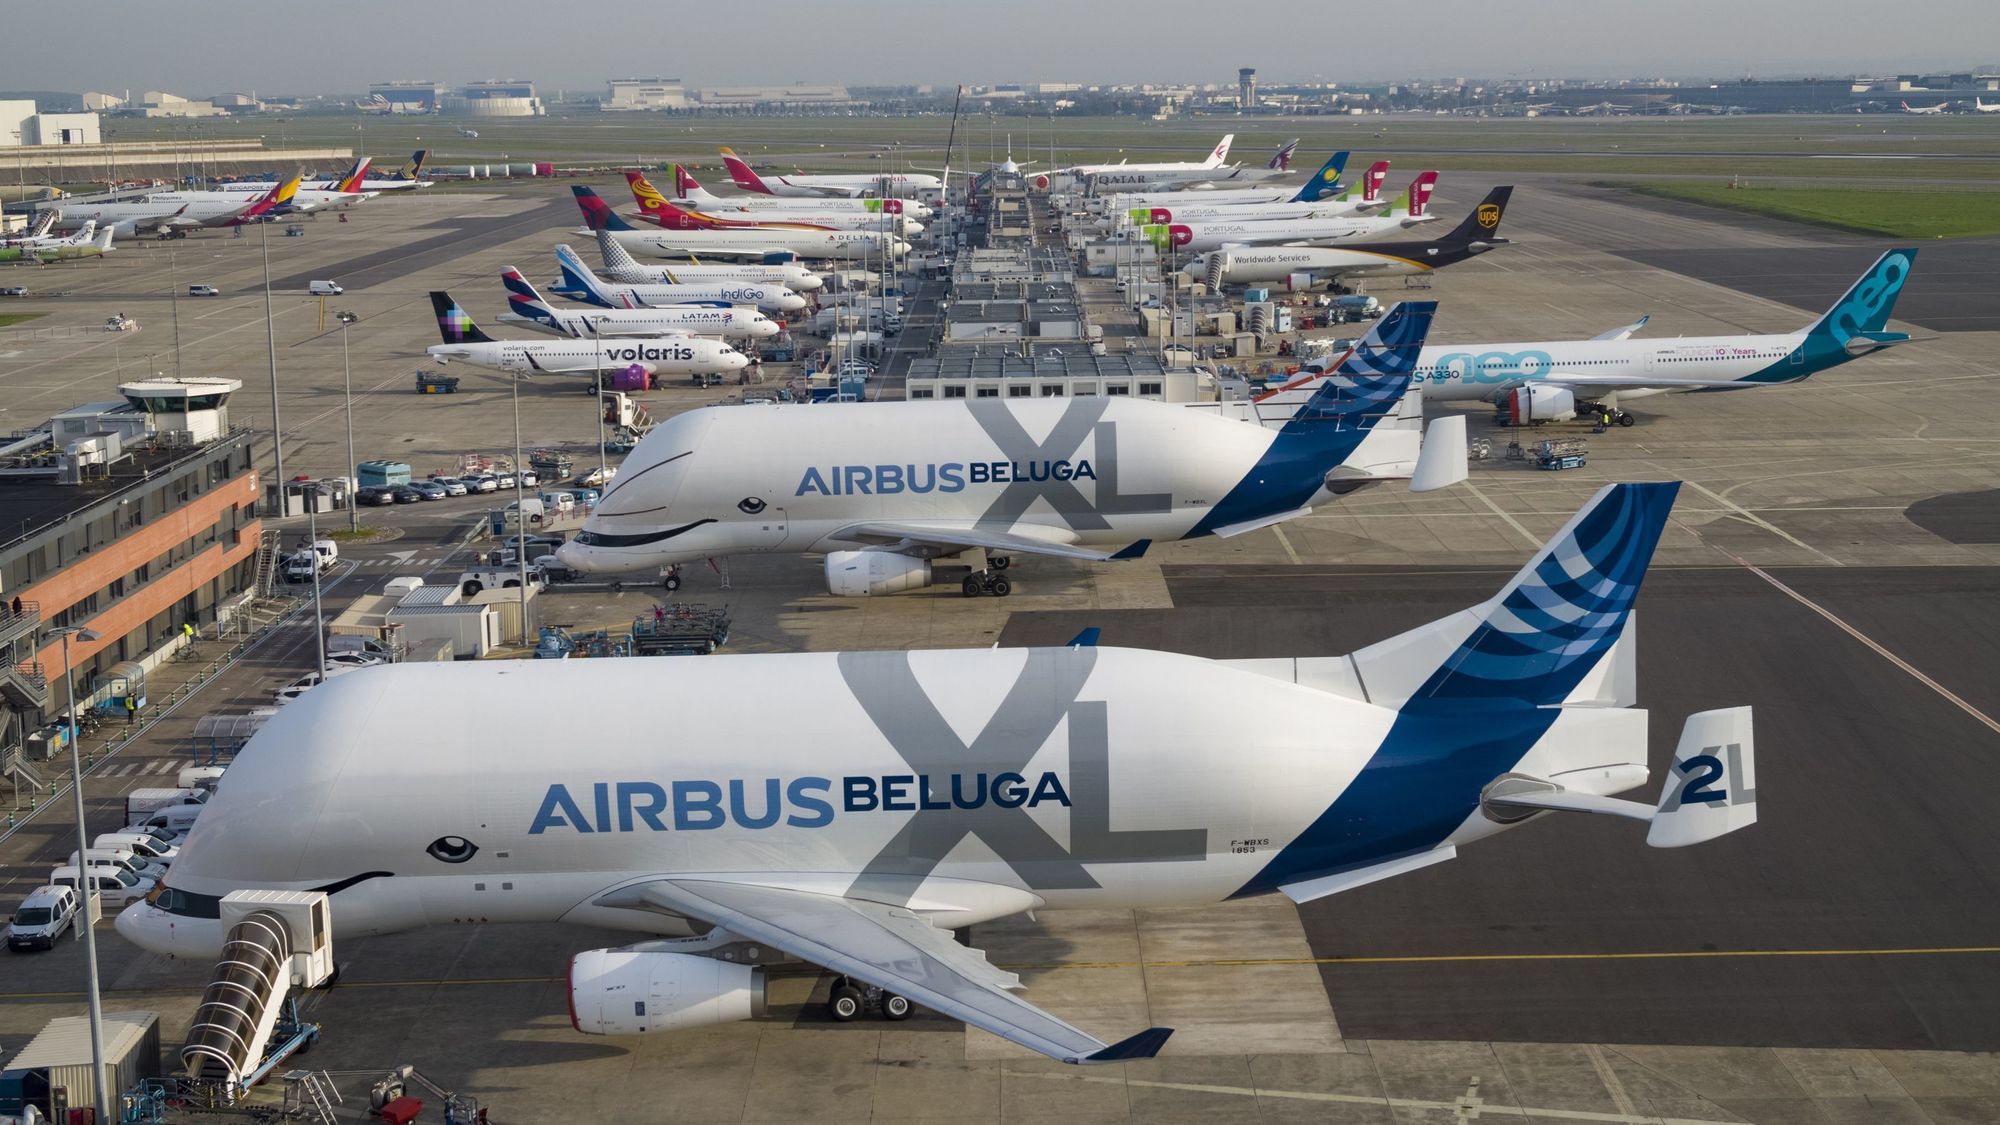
{"points": [[1301, 267], [673, 355], [690, 191], [884, 184], [883, 488], [1296, 230], [897, 796], [764, 244], [580, 284], [1195, 208], [526, 308], [685, 215], [1560, 379], [619, 265]]}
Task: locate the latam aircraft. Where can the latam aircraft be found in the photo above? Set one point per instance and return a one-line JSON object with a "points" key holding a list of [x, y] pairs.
{"points": [[883, 488], [674, 355], [766, 244], [580, 284], [1301, 267], [527, 309], [1294, 230], [896, 796], [619, 265], [881, 184], [684, 215], [1555, 380], [689, 192]]}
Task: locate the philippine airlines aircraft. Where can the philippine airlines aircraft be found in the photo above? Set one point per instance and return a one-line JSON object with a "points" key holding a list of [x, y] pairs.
{"points": [[1195, 208], [899, 795], [1925, 110], [343, 195], [701, 198], [1300, 267], [87, 242], [527, 309], [621, 266], [656, 208], [673, 355], [1323, 185], [760, 243], [1225, 234], [579, 284], [883, 488], [882, 184], [1559, 379]]}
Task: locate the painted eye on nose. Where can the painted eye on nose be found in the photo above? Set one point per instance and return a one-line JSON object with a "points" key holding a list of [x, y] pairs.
{"points": [[750, 505], [452, 849]]}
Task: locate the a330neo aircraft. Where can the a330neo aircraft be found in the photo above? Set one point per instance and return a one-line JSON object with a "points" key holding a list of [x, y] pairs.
{"points": [[884, 488], [898, 795]]}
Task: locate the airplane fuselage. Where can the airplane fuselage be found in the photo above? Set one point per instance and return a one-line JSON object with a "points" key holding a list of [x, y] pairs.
{"points": [[729, 322], [834, 245], [681, 355]]}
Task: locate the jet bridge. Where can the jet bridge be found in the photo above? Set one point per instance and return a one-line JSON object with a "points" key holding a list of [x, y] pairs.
{"points": [[278, 942]]}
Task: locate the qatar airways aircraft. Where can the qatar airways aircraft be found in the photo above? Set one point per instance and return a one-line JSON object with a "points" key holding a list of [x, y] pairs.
{"points": [[898, 795], [883, 488]]}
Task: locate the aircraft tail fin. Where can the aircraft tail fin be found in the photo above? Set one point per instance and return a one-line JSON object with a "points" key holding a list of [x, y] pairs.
{"points": [[1221, 153], [597, 214], [651, 202], [617, 259], [414, 169], [1484, 221], [1418, 196], [104, 240], [1372, 378], [578, 282], [685, 186], [1546, 637], [454, 323], [351, 182], [742, 175], [1711, 788], [1281, 160], [1857, 322], [1324, 182], [522, 298]]}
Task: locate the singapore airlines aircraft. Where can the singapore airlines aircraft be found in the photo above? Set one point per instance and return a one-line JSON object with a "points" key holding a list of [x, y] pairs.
{"points": [[899, 795]]}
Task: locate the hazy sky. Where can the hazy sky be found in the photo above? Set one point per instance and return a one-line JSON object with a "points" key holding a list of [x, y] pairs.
{"points": [[200, 47]]}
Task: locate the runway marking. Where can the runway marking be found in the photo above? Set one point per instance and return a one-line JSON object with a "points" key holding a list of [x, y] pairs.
{"points": [[1498, 511], [1609, 1077], [1759, 521], [1286, 544], [1880, 651]]}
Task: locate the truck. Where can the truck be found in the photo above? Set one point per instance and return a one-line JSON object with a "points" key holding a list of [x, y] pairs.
{"points": [[143, 803], [472, 582], [314, 558]]}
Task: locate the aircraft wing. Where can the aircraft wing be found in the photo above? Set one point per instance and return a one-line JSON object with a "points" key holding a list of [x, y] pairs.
{"points": [[893, 948], [912, 534], [1622, 333], [693, 247], [1584, 383]]}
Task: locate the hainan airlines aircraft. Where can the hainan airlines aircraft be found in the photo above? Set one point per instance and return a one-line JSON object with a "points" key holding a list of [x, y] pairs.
{"points": [[700, 198], [526, 308], [686, 215], [896, 796], [759, 243], [885, 184], [672, 355], [1559, 379]]}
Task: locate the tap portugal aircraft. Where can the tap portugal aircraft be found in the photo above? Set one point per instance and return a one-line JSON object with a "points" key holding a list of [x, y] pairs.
{"points": [[883, 488], [899, 795]]}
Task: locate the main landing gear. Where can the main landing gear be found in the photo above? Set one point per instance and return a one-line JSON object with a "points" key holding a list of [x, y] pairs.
{"points": [[989, 580], [849, 999], [1594, 410]]}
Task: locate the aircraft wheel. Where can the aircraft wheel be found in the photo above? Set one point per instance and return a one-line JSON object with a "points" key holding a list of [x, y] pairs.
{"points": [[895, 1007], [999, 562], [999, 587], [972, 587], [1625, 419], [672, 582], [844, 1003]]}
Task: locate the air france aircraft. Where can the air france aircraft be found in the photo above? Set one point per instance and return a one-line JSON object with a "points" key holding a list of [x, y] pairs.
{"points": [[1555, 380], [887, 184], [619, 265], [580, 284], [674, 355], [899, 795], [883, 488], [1294, 230], [764, 244], [1300, 267], [527, 309]]}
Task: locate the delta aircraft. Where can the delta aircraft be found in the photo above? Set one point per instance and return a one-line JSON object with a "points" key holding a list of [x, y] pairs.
{"points": [[527, 309], [688, 190], [580, 284], [619, 265], [883, 488], [1195, 238], [897, 796], [1196, 210], [657, 209], [1555, 380], [881, 184], [765, 244], [674, 355], [1300, 267]]}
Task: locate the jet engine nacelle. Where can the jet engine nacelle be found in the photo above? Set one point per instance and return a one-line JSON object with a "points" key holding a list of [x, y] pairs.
{"points": [[1540, 404], [861, 574], [632, 992]]}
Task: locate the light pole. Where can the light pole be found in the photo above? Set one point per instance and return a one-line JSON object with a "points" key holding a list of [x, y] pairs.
{"points": [[312, 548], [353, 466], [84, 879], [271, 341], [521, 497]]}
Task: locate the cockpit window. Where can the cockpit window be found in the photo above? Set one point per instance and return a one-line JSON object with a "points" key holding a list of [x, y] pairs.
{"points": [[184, 904]]}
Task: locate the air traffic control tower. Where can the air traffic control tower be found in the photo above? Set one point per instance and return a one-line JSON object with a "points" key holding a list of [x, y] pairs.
{"points": [[1246, 88]]}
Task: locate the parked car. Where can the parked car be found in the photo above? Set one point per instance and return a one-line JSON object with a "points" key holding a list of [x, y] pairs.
{"points": [[13, 290], [375, 495], [116, 887], [505, 479], [404, 494], [353, 660], [481, 482], [429, 490], [597, 478], [452, 485], [204, 291], [43, 917], [529, 478]]}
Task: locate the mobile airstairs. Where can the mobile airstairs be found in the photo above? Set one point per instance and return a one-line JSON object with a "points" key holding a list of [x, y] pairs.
{"points": [[279, 943]]}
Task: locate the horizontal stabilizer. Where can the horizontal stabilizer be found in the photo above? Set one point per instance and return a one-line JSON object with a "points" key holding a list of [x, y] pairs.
{"points": [[1144, 1045], [1443, 461], [1309, 889], [1234, 529]]}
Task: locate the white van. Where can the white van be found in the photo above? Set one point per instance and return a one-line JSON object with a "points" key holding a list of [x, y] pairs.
{"points": [[205, 778], [323, 289], [140, 844], [43, 917], [116, 887], [125, 859], [402, 587], [174, 820]]}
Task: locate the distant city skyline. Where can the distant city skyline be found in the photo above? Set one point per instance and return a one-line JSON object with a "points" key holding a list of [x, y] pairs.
{"points": [[206, 48]]}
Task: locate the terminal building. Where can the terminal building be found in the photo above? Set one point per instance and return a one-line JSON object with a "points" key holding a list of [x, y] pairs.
{"points": [[418, 96], [628, 94], [130, 519], [502, 97]]}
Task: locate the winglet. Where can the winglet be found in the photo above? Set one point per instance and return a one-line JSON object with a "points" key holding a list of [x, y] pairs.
{"points": [[1085, 639], [1136, 550], [1144, 1045]]}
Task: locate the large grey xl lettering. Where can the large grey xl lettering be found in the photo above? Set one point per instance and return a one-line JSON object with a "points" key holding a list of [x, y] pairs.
{"points": [[1065, 439]]}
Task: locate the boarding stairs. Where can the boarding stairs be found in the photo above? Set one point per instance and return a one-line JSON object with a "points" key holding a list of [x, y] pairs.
{"points": [[270, 549], [1218, 264], [247, 1021]]}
